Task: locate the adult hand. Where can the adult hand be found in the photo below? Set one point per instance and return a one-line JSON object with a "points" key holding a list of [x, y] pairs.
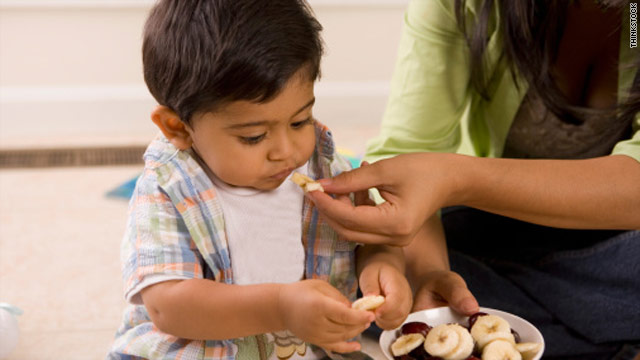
{"points": [[318, 313], [444, 288], [414, 186]]}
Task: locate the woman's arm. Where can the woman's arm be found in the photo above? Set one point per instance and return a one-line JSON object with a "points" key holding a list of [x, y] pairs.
{"points": [[599, 193]]}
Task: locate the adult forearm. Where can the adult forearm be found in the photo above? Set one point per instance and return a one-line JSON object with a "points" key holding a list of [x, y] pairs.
{"points": [[204, 309], [599, 193]]}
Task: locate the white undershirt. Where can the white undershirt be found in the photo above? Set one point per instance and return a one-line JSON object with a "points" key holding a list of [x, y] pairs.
{"points": [[264, 232]]}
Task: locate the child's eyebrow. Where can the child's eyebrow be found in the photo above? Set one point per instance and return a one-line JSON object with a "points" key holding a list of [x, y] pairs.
{"points": [[263, 122]]}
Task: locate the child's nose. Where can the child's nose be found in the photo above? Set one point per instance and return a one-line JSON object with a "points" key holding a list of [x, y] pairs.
{"points": [[283, 148]]}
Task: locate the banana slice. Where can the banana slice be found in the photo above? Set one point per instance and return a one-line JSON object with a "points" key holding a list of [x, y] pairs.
{"points": [[369, 302], [306, 183], [465, 345], [489, 328], [449, 341], [500, 350], [406, 344], [528, 350]]}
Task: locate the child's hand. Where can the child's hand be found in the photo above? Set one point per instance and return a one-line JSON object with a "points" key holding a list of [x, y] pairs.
{"points": [[387, 281], [442, 288], [318, 313]]}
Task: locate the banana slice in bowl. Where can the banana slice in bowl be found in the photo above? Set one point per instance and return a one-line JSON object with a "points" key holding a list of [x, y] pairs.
{"points": [[454, 338]]}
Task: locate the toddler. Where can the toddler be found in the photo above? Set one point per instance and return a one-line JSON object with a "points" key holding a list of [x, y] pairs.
{"points": [[223, 257]]}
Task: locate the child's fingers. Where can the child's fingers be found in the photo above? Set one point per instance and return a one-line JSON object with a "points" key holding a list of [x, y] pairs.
{"points": [[342, 315], [370, 285], [391, 314], [331, 292], [336, 332], [343, 346]]}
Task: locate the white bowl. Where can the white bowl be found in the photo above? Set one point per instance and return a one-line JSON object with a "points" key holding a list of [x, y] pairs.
{"points": [[444, 315]]}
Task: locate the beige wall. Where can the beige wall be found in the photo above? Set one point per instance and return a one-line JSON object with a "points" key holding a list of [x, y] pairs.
{"points": [[70, 71]]}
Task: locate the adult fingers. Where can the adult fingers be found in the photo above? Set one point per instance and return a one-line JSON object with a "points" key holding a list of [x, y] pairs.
{"points": [[362, 237], [362, 197], [426, 299], [455, 291], [362, 178], [381, 219]]}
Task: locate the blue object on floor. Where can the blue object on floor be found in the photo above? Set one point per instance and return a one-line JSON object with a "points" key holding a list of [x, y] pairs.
{"points": [[124, 191]]}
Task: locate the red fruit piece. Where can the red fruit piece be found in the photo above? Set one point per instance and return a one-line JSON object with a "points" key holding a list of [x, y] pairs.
{"points": [[404, 357], [415, 327], [516, 336], [473, 358], [474, 317]]}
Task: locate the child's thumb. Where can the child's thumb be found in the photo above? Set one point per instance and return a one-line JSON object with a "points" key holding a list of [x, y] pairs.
{"points": [[369, 285]]}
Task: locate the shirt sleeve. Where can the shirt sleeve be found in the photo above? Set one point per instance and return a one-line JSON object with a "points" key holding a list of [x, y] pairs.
{"points": [[157, 245], [430, 84], [630, 147]]}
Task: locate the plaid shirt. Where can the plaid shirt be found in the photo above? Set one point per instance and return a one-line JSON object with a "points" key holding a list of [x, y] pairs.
{"points": [[176, 228]]}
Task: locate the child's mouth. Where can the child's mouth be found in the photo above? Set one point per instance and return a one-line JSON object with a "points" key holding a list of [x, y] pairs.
{"points": [[282, 175]]}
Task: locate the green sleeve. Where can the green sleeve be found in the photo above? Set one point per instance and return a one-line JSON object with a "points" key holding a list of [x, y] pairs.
{"points": [[630, 147], [430, 85]]}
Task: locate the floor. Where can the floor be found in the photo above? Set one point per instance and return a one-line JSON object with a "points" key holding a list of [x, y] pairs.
{"points": [[59, 257]]}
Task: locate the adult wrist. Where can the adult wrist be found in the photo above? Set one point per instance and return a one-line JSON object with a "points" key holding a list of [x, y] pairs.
{"points": [[462, 168]]}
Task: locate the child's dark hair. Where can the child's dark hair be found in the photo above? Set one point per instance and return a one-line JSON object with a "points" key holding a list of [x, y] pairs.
{"points": [[201, 54]]}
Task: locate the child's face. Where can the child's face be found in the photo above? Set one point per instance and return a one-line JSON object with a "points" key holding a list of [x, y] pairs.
{"points": [[258, 145]]}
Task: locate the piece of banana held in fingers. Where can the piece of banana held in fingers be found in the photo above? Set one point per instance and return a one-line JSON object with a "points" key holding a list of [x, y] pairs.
{"points": [[306, 183], [528, 350], [369, 302], [500, 350], [449, 341], [406, 344], [489, 328]]}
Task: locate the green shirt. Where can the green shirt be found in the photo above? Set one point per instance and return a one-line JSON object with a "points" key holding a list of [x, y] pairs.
{"points": [[432, 105]]}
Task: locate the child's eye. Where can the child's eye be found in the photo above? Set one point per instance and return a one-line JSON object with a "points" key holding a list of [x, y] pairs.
{"points": [[252, 140], [299, 124]]}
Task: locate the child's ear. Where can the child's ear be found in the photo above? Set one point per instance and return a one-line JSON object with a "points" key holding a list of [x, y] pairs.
{"points": [[172, 127]]}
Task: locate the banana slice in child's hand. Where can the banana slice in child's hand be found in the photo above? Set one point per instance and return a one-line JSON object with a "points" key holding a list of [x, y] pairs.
{"points": [[369, 302], [306, 183]]}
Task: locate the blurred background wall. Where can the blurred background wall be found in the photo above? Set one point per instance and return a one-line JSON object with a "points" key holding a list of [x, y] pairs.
{"points": [[71, 72]]}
